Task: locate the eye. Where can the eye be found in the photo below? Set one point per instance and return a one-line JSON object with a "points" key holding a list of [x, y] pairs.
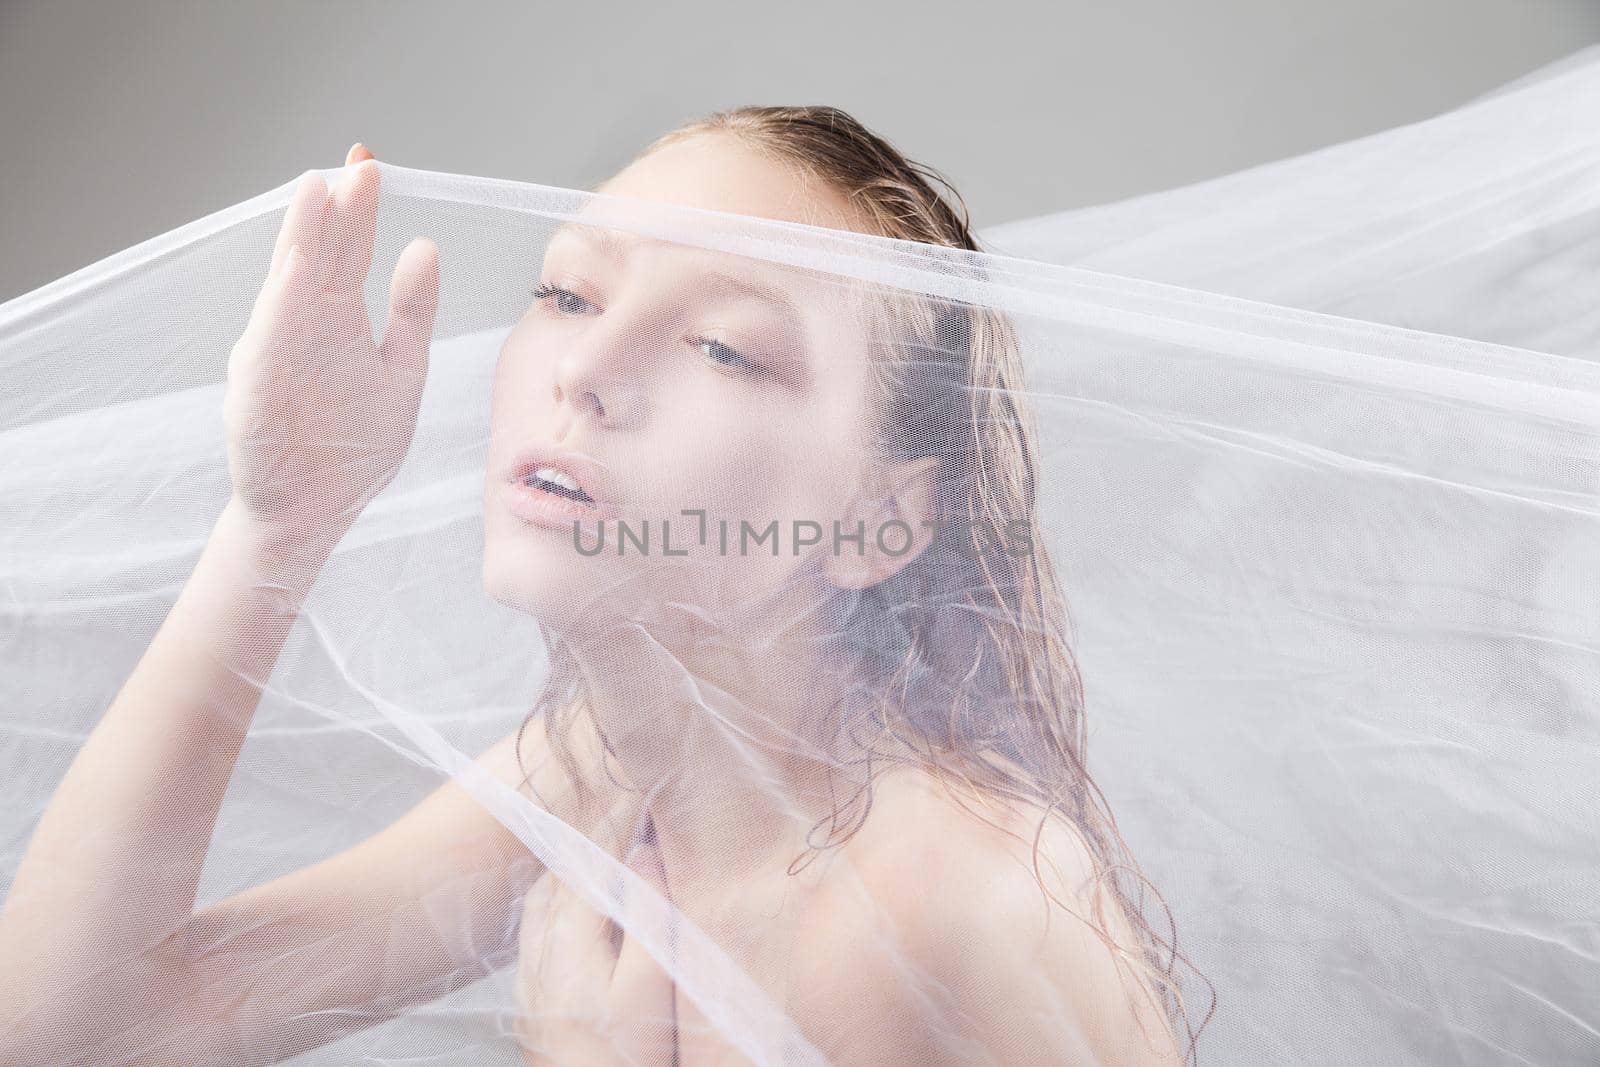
{"points": [[567, 302], [720, 353]]}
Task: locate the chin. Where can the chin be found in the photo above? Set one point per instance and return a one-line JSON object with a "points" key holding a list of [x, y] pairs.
{"points": [[538, 571], [535, 571]]}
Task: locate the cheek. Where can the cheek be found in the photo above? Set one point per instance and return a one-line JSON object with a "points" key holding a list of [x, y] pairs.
{"points": [[521, 367], [521, 394], [759, 461]]}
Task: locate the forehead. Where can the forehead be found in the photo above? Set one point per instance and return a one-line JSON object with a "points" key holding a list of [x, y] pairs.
{"points": [[717, 171]]}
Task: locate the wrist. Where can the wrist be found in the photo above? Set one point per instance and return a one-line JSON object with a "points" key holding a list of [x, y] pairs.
{"points": [[278, 554]]}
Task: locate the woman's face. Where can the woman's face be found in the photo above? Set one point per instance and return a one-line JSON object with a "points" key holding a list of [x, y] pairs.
{"points": [[662, 379]]}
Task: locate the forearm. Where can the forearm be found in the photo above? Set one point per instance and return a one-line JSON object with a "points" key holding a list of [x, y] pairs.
{"points": [[112, 869]]}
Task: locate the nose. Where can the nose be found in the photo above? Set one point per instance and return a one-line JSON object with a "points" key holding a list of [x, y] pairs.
{"points": [[599, 375]]}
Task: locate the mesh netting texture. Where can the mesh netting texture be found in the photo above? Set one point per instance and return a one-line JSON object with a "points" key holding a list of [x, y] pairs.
{"points": [[454, 620]]}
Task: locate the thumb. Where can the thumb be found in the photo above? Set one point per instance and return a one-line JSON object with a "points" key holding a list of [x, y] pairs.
{"points": [[413, 303]]}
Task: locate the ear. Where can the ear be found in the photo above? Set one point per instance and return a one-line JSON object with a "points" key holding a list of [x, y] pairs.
{"points": [[895, 516]]}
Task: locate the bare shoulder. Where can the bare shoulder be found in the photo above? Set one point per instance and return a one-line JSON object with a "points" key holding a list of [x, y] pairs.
{"points": [[939, 902], [940, 835]]}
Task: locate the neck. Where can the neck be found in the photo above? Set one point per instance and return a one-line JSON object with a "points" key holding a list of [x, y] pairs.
{"points": [[721, 741]]}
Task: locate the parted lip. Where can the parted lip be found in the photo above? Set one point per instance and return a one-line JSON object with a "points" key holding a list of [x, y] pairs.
{"points": [[590, 475]]}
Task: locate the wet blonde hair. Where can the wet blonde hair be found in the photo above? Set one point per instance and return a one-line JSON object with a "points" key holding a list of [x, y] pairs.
{"points": [[963, 656]]}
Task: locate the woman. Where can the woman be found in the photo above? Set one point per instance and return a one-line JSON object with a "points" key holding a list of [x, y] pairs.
{"points": [[877, 751]]}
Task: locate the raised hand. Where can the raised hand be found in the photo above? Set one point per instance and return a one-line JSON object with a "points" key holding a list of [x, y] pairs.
{"points": [[319, 413]]}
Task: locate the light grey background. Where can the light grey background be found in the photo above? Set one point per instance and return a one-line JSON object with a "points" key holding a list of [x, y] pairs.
{"points": [[121, 120]]}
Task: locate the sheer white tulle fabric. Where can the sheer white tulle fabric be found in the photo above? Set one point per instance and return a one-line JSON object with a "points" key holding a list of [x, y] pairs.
{"points": [[1312, 451]]}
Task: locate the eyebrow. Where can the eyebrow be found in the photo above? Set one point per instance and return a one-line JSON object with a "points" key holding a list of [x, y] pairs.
{"points": [[613, 245]]}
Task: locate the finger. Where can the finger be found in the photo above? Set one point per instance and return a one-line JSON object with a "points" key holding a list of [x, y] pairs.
{"points": [[357, 153], [302, 222], [413, 303], [281, 292], [273, 318], [535, 925], [351, 229], [636, 969], [578, 950], [638, 980]]}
